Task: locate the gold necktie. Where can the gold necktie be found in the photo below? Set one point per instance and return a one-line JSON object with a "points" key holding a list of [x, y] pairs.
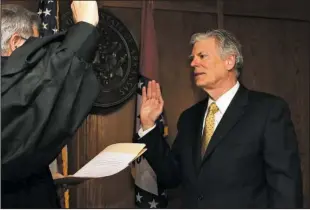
{"points": [[209, 127]]}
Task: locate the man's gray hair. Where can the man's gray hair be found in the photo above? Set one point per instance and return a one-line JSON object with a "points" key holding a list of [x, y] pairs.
{"points": [[16, 19], [227, 43]]}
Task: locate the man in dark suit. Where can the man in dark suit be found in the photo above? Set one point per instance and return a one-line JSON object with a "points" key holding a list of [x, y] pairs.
{"points": [[235, 149], [47, 89]]}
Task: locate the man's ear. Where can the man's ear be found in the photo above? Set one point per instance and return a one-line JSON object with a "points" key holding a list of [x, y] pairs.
{"points": [[230, 62], [15, 42]]}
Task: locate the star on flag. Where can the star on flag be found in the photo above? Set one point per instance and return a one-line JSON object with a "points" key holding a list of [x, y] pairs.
{"points": [[55, 30], [44, 25], [138, 197], [140, 84], [40, 12], [47, 12], [153, 204]]}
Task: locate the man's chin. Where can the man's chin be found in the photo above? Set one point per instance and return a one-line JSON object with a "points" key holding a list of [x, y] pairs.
{"points": [[204, 85], [200, 84]]}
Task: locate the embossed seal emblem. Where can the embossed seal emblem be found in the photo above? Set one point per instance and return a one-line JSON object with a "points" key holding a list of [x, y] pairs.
{"points": [[116, 63]]}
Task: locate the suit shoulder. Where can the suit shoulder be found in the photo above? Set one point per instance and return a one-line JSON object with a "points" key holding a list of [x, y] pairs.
{"points": [[264, 98], [195, 107]]}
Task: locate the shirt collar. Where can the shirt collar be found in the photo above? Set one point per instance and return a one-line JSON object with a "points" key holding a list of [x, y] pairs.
{"points": [[225, 99]]}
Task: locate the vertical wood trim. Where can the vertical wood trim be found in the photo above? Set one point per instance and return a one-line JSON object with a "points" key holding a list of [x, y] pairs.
{"points": [[220, 14]]}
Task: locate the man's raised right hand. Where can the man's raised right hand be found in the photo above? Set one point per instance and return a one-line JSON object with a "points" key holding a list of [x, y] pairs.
{"points": [[152, 105]]}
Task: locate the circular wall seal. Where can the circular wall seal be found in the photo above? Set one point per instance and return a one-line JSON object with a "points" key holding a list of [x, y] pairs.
{"points": [[116, 63]]}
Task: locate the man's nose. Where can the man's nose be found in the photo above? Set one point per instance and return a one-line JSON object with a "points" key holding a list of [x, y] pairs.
{"points": [[194, 62]]}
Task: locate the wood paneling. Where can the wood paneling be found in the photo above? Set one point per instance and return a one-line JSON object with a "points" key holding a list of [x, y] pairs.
{"points": [[31, 5], [97, 132], [281, 9], [287, 9], [278, 9], [208, 6]]}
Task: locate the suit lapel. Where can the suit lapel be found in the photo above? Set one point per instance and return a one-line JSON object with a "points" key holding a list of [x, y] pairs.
{"points": [[197, 133], [232, 115]]}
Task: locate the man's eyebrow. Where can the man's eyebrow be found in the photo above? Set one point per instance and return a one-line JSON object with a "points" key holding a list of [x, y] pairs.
{"points": [[201, 53], [198, 54]]}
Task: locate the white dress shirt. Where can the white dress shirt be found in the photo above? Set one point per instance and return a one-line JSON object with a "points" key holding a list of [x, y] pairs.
{"points": [[222, 103]]}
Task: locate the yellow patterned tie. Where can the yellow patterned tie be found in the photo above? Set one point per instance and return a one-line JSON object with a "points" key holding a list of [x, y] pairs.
{"points": [[209, 127]]}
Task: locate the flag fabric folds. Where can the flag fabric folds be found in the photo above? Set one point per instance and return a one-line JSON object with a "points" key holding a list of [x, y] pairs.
{"points": [[148, 194], [48, 12]]}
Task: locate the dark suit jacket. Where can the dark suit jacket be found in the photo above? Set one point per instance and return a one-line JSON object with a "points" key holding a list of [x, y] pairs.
{"points": [[252, 159]]}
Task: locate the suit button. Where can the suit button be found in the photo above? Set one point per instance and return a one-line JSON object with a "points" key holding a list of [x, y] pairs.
{"points": [[200, 197]]}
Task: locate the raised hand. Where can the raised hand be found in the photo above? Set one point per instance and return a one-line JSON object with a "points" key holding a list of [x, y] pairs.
{"points": [[151, 106], [86, 11]]}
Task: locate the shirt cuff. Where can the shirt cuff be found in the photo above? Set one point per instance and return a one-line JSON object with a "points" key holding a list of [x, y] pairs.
{"points": [[142, 133]]}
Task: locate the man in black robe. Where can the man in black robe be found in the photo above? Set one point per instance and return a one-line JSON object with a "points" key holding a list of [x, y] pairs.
{"points": [[47, 89]]}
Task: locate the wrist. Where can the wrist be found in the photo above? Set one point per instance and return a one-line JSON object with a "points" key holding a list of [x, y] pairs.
{"points": [[146, 126], [87, 21]]}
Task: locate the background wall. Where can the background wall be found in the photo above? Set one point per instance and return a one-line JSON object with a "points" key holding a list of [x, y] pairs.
{"points": [[276, 45]]}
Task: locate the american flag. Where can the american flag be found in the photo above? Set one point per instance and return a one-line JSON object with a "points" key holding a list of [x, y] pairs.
{"points": [[149, 194], [145, 178], [48, 14]]}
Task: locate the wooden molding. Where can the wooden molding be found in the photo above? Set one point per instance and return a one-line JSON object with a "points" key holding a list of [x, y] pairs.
{"points": [[278, 9], [220, 14], [189, 6]]}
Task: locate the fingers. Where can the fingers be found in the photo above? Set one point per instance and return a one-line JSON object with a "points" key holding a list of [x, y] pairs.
{"points": [[157, 91], [144, 95], [152, 92], [158, 94], [149, 90]]}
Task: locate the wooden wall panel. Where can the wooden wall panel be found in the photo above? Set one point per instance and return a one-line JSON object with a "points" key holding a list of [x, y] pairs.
{"points": [[278, 9], [31, 5], [97, 132]]}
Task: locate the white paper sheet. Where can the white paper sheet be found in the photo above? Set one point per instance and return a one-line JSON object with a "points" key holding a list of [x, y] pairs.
{"points": [[105, 164]]}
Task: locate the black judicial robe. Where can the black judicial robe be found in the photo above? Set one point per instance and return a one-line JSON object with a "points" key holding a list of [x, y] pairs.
{"points": [[47, 89]]}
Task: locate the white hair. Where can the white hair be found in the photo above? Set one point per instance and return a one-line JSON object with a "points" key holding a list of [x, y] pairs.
{"points": [[16, 19], [227, 44]]}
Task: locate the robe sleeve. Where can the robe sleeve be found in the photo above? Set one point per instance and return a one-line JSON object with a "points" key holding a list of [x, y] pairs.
{"points": [[43, 110]]}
